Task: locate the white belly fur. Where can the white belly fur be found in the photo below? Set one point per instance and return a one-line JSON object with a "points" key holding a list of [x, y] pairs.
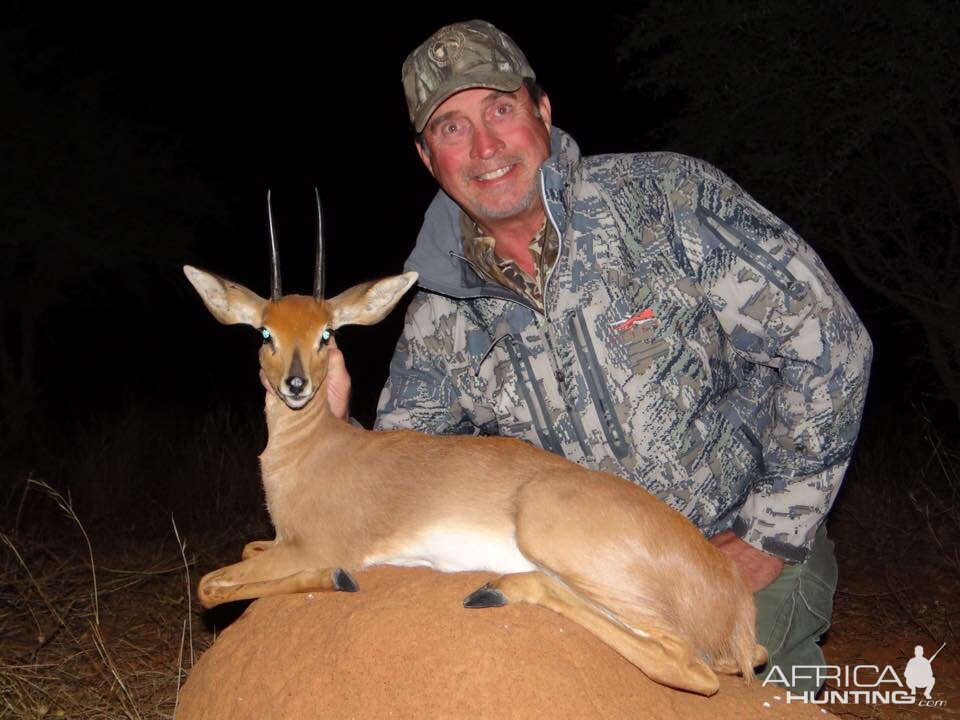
{"points": [[456, 550]]}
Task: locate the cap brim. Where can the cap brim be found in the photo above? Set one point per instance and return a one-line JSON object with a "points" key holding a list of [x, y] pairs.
{"points": [[505, 82]]}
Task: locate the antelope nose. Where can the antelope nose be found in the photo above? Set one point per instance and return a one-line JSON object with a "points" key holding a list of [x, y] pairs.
{"points": [[295, 383]]}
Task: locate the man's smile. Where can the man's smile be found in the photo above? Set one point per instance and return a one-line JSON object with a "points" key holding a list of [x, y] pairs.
{"points": [[495, 174]]}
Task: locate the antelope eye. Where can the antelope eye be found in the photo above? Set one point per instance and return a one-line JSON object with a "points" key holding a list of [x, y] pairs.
{"points": [[325, 336], [267, 337]]}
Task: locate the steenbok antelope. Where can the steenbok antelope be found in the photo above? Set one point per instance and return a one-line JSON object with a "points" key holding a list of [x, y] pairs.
{"points": [[589, 545]]}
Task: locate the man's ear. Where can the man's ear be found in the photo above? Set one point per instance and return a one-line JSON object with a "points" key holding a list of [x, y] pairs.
{"points": [[546, 114], [424, 156]]}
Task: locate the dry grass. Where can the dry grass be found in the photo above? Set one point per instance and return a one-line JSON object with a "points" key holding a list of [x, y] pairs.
{"points": [[82, 641], [97, 618], [897, 529]]}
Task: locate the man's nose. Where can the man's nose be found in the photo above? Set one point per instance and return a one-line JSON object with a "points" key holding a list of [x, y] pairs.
{"points": [[486, 143]]}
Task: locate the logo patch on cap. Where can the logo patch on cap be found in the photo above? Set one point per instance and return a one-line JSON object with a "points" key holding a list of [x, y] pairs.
{"points": [[447, 48]]}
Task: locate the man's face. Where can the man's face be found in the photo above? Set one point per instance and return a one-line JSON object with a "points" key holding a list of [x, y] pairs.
{"points": [[485, 150]]}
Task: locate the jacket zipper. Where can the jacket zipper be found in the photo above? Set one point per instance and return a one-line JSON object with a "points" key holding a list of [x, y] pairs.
{"points": [[556, 229]]}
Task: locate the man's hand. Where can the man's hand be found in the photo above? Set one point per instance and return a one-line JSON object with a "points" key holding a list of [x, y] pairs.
{"points": [[338, 383], [757, 567]]}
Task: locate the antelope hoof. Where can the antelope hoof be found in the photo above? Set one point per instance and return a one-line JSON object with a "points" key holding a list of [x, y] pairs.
{"points": [[760, 656], [485, 597], [343, 581]]}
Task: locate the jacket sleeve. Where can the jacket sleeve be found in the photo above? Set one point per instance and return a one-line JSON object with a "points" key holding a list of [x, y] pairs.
{"points": [[419, 394], [779, 307]]}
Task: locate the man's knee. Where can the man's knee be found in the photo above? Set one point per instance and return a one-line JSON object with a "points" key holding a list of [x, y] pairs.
{"points": [[793, 612]]}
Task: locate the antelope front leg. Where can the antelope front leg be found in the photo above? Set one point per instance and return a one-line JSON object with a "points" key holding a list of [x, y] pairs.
{"points": [[662, 656], [276, 572]]}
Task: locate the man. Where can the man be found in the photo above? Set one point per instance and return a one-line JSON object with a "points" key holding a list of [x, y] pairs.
{"points": [[639, 314]]}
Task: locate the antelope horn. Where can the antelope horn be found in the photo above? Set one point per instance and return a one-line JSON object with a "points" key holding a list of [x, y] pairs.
{"points": [[318, 282], [275, 291]]}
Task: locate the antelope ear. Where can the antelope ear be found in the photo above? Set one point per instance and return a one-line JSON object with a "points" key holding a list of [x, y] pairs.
{"points": [[369, 302], [228, 302]]}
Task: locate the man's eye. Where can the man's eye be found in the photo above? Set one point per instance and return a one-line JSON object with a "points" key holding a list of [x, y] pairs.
{"points": [[449, 129], [503, 109]]}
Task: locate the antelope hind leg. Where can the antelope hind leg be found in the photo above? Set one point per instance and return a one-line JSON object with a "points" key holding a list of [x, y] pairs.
{"points": [[663, 657], [728, 666]]}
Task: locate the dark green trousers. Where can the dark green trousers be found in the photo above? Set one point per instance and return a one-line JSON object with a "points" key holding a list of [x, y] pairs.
{"points": [[794, 611]]}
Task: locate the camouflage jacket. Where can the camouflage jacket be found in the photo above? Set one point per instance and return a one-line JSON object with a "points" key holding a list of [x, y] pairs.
{"points": [[690, 342]]}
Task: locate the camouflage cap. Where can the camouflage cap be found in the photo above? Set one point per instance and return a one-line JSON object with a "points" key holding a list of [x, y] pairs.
{"points": [[457, 57]]}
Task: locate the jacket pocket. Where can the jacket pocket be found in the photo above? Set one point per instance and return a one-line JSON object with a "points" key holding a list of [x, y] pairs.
{"points": [[597, 385]]}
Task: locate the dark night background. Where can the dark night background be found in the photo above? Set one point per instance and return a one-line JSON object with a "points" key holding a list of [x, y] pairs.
{"points": [[139, 143], [136, 144], [137, 139]]}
